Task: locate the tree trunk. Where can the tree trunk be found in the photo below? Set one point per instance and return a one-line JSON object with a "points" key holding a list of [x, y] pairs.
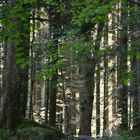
{"points": [[122, 70], [1, 69], [47, 94], [106, 105], [86, 99], [106, 77], [15, 85], [134, 84], [55, 21], [98, 102]]}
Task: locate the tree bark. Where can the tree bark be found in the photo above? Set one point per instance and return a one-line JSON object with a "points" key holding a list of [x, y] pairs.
{"points": [[134, 84], [55, 21], [86, 97], [98, 102], [123, 70], [15, 85], [106, 77]]}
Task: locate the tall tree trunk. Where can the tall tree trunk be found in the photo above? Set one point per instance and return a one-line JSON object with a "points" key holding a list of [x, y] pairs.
{"points": [[122, 69], [10, 106], [55, 20], [114, 72], [32, 68], [47, 94], [1, 69], [98, 102], [53, 92], [15, 78], [87, 97], [24, 78], [134, 84], [106, 104], [70, 112]]}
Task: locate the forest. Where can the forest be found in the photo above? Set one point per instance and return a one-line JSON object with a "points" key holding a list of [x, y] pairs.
{"points": [[69, 69]]}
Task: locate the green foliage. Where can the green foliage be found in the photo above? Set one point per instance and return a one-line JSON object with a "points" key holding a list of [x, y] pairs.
{"points": [[26, 123], [126, 79], [91, 11], [16, 30], [5, 134], [2, 135], [125, 135]]}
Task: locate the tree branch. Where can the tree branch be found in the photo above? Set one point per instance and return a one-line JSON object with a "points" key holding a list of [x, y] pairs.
{"points": [[39, 19], [138, 3]]}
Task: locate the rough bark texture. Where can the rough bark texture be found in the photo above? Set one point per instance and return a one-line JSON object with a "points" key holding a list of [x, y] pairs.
{"points": [[113, 74], [15, 81], [10, 101], [86, 97], [106, 79], [122, 71], [55, 25]]}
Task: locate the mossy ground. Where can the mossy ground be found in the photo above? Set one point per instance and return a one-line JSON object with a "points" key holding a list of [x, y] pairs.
{"points": [[30, 130]]}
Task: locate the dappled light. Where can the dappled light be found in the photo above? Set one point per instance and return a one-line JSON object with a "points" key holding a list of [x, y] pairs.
{"points": [[69, 70]]}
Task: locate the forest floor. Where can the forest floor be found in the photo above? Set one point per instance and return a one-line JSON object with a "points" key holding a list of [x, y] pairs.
{"points": [[30, 130]]}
